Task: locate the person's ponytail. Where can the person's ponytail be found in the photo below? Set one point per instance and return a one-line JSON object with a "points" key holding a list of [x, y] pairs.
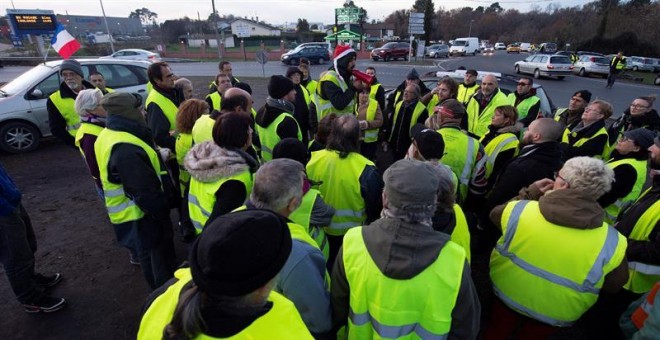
{"points": [[187, 321]]}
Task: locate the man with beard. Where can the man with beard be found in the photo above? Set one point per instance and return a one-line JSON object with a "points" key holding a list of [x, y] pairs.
{"points": [[540, 157], [468, 87], [397, 96], [481, 107], [447, 88], [275, 120], [337, 94], [573, 113], [62, 116]]}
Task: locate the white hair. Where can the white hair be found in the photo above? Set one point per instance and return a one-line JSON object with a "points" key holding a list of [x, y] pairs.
{"points": [[87, 100], [589, 175], [276, 183]]}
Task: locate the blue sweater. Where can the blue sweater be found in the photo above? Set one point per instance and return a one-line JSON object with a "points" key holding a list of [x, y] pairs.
{"points": [[10, 196]]}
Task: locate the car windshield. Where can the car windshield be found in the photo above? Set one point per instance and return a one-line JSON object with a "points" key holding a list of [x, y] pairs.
{"points": [[560, 60], [460, 43], [26, 79], [389, 45], [601, 60]]}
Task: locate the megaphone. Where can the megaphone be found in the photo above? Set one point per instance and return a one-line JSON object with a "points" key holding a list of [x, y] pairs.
{"points": [[361, 76]]}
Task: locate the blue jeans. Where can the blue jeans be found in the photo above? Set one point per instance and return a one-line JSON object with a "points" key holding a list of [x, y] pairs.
{"points": [[17, 247]]}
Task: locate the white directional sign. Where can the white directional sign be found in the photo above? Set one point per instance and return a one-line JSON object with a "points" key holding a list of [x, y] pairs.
{"points": [[417, 15], [416, 23]]}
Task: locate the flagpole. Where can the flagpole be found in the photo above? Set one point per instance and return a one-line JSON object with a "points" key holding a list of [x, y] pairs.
{"points": [[48, 50], [112, 46]]}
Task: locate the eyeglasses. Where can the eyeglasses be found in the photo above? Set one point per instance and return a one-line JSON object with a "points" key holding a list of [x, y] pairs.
{"points": [[523, 84], [557, 175], [637, 106], [589, 109]]}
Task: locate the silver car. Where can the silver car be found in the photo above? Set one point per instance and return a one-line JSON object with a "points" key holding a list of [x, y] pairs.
{"points": [[639, 64], [23, 114], [592, 64], [134, 54], [545, 65], [437, 51]]}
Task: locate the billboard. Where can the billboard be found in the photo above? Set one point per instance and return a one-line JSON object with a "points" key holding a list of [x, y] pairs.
{"points": [[31, 21]]}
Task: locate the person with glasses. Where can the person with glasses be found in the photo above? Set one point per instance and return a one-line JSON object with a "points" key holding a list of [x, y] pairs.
{"points": [[525, 101], [408, 112], [628, 160], [573, 113], [588, 137], [501, 140], [639, 114], [556, 256], [481, 107]]}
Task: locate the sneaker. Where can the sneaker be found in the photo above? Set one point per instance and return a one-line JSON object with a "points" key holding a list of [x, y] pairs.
{"points": [[134, 260], [46, 281], [46, 304]]}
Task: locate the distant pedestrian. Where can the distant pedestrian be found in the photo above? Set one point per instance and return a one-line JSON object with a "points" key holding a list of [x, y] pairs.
{"points": [[17, 247], [617, 65]]}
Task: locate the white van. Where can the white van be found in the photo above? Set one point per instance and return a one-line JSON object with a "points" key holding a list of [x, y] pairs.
{"points": [[464, 46]]}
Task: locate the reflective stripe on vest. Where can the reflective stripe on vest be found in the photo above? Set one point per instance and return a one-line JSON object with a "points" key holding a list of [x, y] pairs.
{"points": [[87, 129], [642, 275], [461, 153], [418, 307], [120, 207], [303, 215], [502, 142], [282, 321], [325, 106], [417, 112], [613, 210], [201, 196], [216, 99], [604, 153], [547, 288], [167, 106], [478, 121], [184, 141], [373, 91], [559, 112], [268, 135], [642, 312], [524, 105], [340, 187], [66, 106]]}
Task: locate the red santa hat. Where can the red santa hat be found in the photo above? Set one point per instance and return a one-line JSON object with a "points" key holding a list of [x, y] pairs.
{"points": [[341, 51]]}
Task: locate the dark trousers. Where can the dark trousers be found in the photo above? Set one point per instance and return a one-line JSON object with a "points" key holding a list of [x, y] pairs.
{"points": [[334, 243], [611, 78], [17, 247], [506, 323]]}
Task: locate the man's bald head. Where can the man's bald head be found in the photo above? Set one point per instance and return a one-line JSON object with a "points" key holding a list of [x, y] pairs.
{"points": [[543, 130], [236, 99]]}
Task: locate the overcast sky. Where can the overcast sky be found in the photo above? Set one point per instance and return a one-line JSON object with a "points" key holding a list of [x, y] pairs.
{"points": [[273, 12]]}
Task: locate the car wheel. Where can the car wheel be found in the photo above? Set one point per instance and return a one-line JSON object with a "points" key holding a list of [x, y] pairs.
{"points": [[19, 137], [387, 58], [537, 74], [561, 77], [635, 68], [321, 61], [517, 69], [583, 73], [293, 62], [374, 59], [406, 57]]}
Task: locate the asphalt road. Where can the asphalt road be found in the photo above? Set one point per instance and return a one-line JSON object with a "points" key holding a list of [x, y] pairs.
{"points": [[391, 74]]}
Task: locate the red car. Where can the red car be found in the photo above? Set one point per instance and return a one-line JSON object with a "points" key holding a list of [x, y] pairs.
{"points": [[391, 50]]}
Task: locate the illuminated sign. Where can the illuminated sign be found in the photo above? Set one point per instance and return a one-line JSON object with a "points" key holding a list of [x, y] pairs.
{"points": [[26, 21]]}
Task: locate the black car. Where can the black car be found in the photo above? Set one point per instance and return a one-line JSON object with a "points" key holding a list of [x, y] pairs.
{"points": [[315, 54]]}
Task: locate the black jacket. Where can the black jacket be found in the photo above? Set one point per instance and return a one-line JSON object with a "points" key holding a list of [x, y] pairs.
{"points": [[392, 98], [267, 114], [157, 121], [130, 166], [56, 120], [593, 147], [399, 137], [625, 177], [301, 113], [535, 162], [627, 122]]}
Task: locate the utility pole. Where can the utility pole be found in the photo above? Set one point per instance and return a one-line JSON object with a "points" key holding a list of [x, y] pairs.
{"points": [[215, 29], [107, 29]]}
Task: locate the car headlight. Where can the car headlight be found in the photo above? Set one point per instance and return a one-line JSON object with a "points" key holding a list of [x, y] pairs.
{"points": [[285, 57]]}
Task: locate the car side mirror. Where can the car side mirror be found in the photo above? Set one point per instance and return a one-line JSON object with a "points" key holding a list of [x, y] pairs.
{"points": [[36, 94]]}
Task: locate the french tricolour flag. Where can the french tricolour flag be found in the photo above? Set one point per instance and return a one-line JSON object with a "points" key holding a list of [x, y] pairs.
{"points": [[64, 43]]}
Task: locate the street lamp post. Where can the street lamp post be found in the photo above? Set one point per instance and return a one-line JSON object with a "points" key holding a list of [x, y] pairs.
{"points": [[470, 31], [107, 29]]}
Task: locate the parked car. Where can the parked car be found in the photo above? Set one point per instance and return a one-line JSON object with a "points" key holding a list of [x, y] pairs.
{"points": [[325, 45], [500, 46], [437, 51], [391, 50], [592, 64], [548, 47], [545, 65], [525, 47], [513, 48], [656, 64], [579, 53], [639, 64], [23, 114], [315, 54], [564, 53], [506, 82], [134, 54]]}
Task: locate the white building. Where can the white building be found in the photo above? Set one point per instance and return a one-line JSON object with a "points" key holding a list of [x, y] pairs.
{"points": [[244, 28]]}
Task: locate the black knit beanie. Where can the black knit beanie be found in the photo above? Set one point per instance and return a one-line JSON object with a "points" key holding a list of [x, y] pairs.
{"points": [[279, 86]]}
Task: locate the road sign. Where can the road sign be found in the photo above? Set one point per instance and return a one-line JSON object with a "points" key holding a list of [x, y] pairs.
{"points": [[416, 21], [417, 15], [262, 57], [348, 15]]}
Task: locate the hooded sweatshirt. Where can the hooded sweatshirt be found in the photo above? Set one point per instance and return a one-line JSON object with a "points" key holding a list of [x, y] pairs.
{"points": [[269, 112], [207, 162]]}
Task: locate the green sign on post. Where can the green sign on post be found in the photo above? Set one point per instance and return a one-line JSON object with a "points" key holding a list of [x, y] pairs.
{"points": [[348, 15]]}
